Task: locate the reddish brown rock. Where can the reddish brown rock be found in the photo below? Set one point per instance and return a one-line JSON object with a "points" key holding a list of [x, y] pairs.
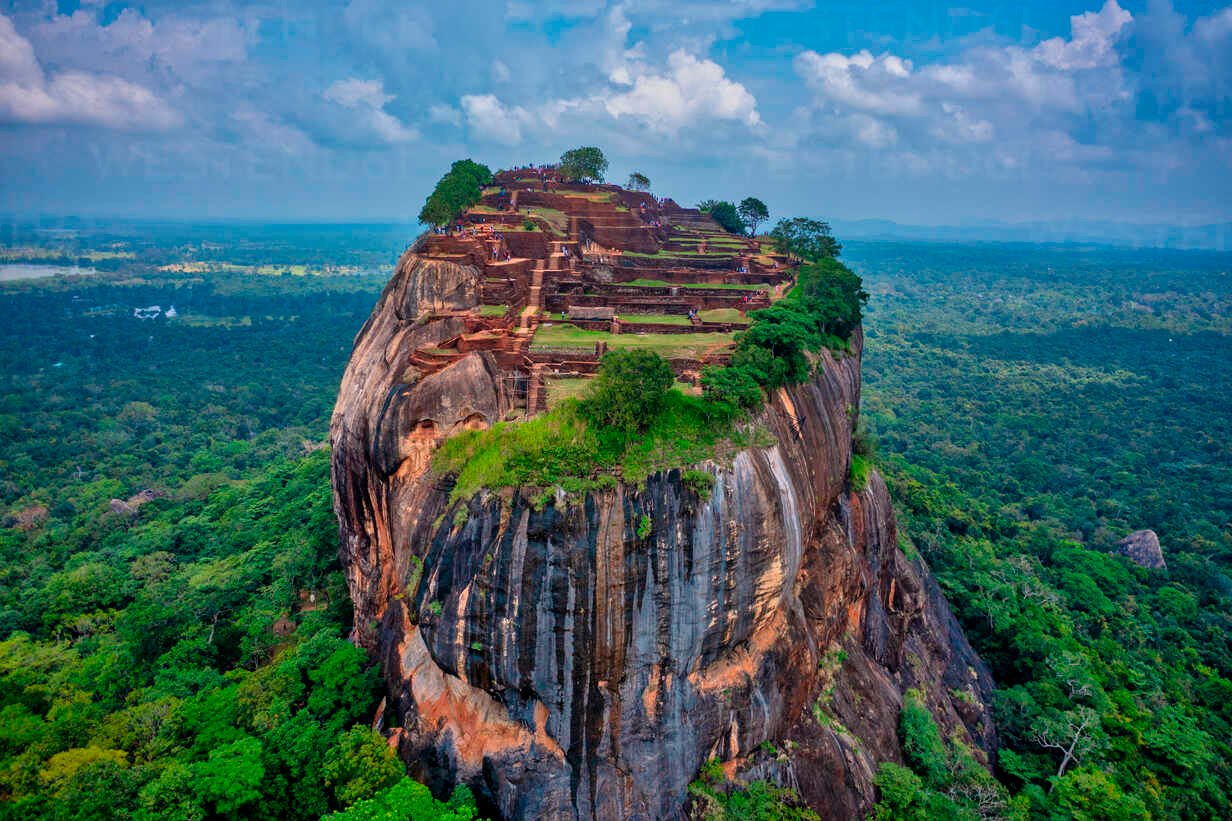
{"points": [[567, 664]]}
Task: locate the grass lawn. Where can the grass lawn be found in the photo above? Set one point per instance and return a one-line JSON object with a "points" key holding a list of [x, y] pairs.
{"points": [[723, 315], [573, 387], [657, 319], [557, 219], [724, 253], [713, 315], [565, 388], [593, 196], [493, 310], [558, 335], [659, 283]]}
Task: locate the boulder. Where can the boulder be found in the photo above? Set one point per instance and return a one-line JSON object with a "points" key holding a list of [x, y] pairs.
{"points": [[1142, 548]]}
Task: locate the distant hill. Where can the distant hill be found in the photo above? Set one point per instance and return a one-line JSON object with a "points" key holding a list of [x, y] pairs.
{"points": [[1217, 237]]}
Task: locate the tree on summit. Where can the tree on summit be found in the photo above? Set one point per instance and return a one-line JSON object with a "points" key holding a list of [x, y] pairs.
{"points": [[805, 238], [724, 213], [585, 164], [459, 189], [752, 213], [638, 182]]}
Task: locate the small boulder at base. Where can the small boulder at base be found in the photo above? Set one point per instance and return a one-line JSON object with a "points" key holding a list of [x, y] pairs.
{"points": [[1142, 548]]}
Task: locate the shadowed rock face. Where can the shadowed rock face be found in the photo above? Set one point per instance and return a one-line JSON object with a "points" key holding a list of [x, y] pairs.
{"points": [[566, 663]]}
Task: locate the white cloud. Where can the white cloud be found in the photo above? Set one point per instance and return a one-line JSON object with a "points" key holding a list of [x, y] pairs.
{"points": [[879, 85], [491, 120], [29, 95], [368, 99], [1092, 38], [182, 49], [688, 92], [356, 93], [691, 92], [446, 114], [1017, 97]]}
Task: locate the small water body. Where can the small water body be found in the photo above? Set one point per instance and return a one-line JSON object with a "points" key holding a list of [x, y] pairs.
{"points": [[12, 272]]}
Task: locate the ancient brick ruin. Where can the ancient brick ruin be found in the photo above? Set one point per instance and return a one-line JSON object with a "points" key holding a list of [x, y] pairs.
{"points": [[571, 270]]}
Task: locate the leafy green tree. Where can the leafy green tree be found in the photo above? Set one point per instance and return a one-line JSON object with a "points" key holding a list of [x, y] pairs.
{"points": [[638, 182], [902, 796], [360, 765], [753, 212], [231, 778], [724, 213], [585, 164], [732, 387], [408, 800], [173, 794], [805, 238], [833, 295], [459, 189], [1088, 794], [716, 799], [629, 389], [923, 748]]}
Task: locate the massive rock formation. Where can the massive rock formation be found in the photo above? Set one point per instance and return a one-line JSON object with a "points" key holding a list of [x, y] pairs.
{"points": [[573, 662]]}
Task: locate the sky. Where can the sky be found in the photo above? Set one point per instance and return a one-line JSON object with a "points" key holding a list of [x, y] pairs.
{"points": [[918, 112]]}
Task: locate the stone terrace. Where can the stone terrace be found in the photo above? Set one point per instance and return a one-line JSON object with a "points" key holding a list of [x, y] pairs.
{"points": [[572, 270]]}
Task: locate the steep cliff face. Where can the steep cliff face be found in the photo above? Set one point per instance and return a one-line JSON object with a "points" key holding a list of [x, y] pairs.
{"points": [[585, 659]]}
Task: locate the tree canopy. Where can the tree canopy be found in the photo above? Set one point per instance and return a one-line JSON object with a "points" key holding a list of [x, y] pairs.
{"points": [[805, 238], [584, 164], [638, 182], [629, 389], [753, 212], [459, 189], [724, 213]]}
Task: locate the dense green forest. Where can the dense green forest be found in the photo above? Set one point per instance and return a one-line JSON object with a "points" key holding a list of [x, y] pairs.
{"points": [[1033, 406], [183, 652], [173, 620]]}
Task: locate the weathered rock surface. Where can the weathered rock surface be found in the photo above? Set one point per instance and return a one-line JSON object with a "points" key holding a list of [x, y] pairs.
{"points": [[1142, 548], [567, 664]]}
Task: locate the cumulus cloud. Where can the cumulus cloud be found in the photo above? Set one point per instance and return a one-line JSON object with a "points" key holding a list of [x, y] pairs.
{"points": [[1093, 36], [29, 95], [367, 98], [491, 120], [173, 48], [688, 92], [1021, 98], [691, 91]]}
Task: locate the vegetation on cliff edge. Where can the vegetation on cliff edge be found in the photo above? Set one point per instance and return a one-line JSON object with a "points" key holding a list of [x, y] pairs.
{"points": [[629, 425]]}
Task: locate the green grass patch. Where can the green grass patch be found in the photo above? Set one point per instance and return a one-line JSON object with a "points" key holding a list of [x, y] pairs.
{"points": [[593, 196], [722, 252], [493, 310], [723, 315], [660, 283], [558, 220], [655, 319], [560, 389], [561, 449], [558, 335], [861, 468]]}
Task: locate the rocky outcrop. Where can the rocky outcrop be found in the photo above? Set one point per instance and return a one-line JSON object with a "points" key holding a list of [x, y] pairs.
{"points": [[1142, 548], [584, 659]]}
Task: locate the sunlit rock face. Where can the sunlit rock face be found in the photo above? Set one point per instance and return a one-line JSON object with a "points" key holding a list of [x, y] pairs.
{"points": [[571, 662]]}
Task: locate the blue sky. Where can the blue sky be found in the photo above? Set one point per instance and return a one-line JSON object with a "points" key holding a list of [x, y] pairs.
{"points": [[919, 112]]}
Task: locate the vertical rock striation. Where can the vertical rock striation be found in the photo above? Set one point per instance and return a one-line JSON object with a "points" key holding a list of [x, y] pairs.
{"points": [[566, 663]]}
